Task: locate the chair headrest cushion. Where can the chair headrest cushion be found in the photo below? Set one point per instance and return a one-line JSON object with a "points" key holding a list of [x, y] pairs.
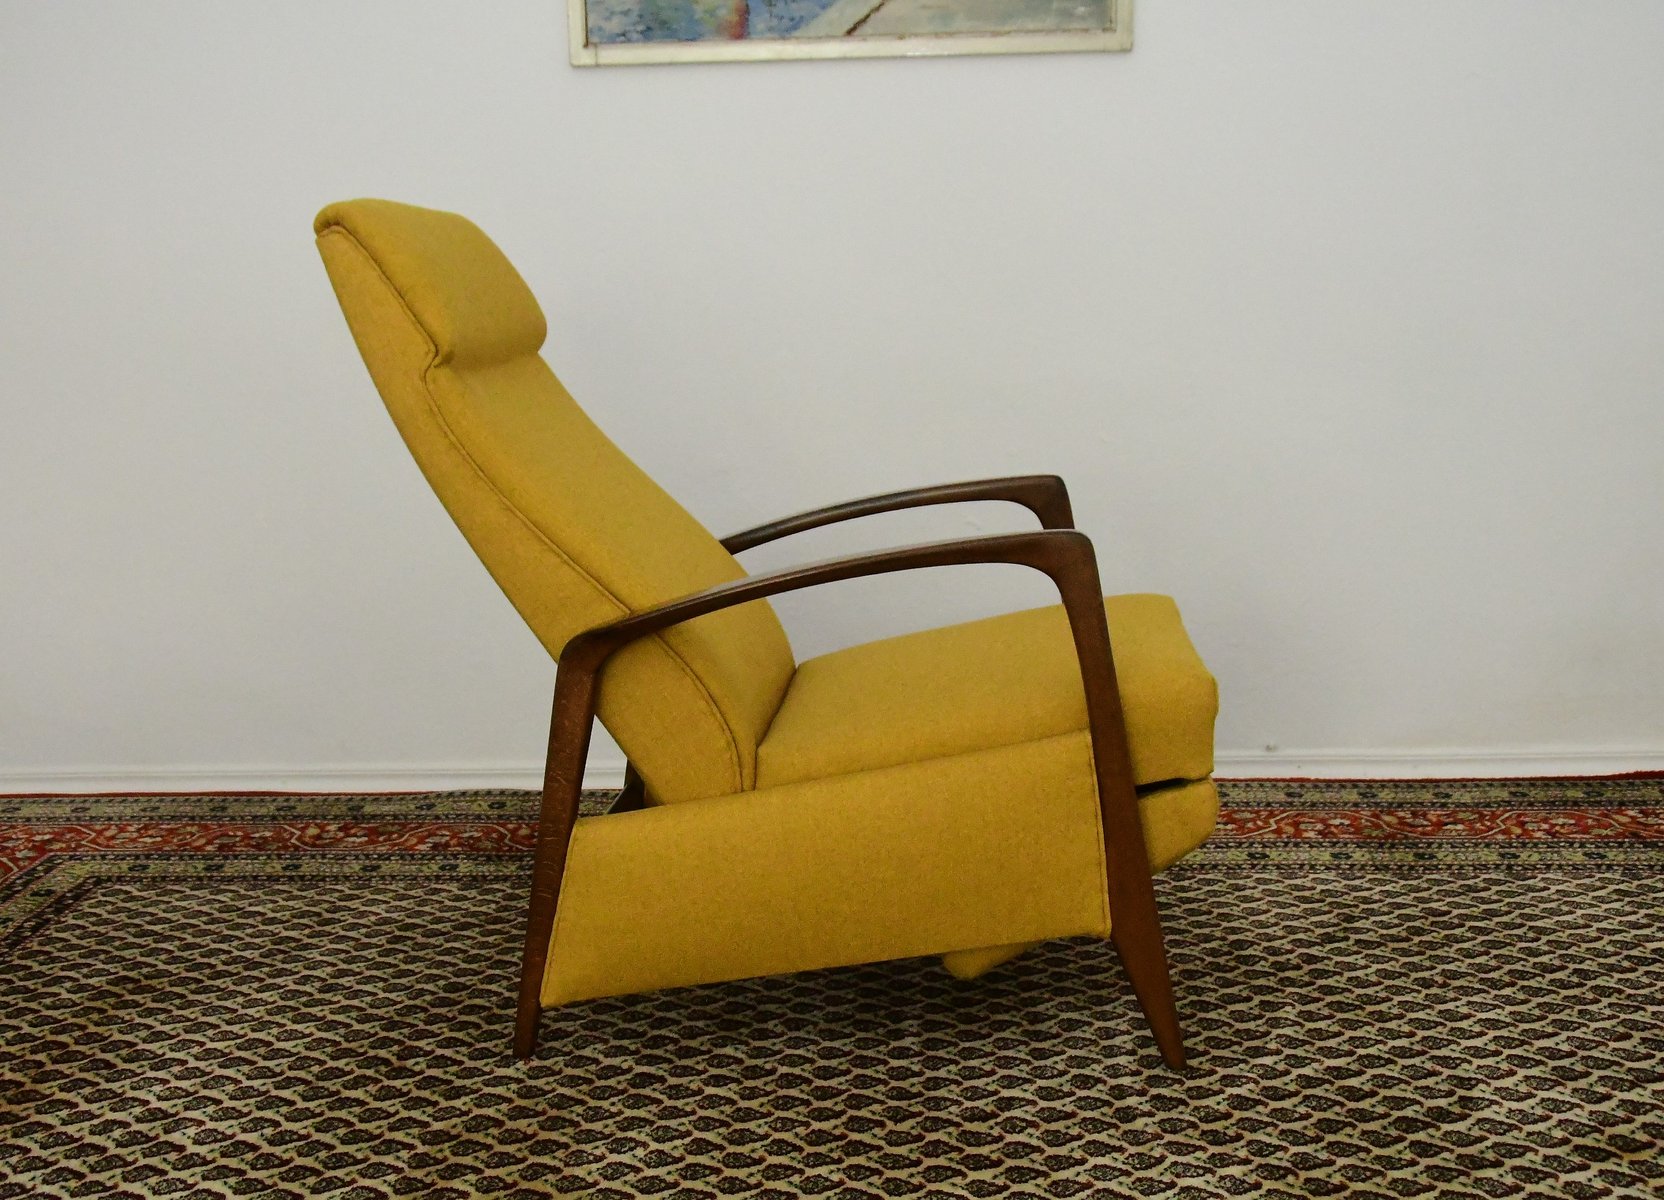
{"points": [[461, 289]]}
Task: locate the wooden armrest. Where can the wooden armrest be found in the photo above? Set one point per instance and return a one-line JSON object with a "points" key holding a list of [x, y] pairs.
{"points": [[1043, 495], [1063, 554]]}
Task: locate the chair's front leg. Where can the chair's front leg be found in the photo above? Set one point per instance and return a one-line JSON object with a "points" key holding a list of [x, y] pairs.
{"points": [[1135, 925], [563, 775]]}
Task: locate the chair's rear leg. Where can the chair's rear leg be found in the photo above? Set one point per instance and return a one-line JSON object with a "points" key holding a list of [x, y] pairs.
{"points": [[569, 726]]}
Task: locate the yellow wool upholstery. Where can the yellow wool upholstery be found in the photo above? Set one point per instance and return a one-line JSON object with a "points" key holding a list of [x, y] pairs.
{"points": [[958, 852], [571, 529], [464, 295], [1006, 679], [1000, 845], [1177, 819], [929, 794]]}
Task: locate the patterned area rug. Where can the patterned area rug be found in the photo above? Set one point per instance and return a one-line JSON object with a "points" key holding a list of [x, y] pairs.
{"points": [[1389, 991]]}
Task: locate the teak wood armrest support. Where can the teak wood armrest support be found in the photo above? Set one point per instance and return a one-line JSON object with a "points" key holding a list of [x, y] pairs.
{"points": [[1043, 495], [1064, 555]]}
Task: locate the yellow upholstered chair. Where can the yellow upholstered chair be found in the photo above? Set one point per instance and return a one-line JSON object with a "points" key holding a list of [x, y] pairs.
{"points": [[965, 791]]}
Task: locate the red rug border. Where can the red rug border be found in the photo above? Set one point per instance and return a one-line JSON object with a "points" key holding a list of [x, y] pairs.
{"points": [[1618, 776]]}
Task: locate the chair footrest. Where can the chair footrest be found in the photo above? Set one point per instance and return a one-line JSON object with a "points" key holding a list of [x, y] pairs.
{"points": [[998, 846]]}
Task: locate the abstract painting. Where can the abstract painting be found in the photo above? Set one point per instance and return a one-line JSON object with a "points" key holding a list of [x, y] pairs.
{"points": [[647, 31]]}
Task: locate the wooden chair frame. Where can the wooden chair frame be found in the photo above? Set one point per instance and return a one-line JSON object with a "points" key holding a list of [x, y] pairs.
{"points": [[1058, 550]]}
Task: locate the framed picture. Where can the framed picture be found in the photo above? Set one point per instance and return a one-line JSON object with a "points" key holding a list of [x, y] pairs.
{"points": [[607, 32]]}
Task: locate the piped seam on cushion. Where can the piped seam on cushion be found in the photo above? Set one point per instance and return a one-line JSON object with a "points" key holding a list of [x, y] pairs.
{"points": [[1001, 745], [439, 415]]}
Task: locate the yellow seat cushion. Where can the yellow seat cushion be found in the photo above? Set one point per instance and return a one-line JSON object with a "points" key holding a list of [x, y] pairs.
{"points": [[994, 682]]}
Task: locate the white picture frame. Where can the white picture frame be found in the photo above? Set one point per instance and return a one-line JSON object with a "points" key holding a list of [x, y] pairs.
{"points": [[879, 29]]}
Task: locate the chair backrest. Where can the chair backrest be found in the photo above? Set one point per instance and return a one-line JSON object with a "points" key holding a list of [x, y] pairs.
{"points": [[570, 528]]}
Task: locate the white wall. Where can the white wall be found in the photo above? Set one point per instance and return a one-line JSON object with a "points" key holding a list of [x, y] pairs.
{"points": [[1343, 321]]}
